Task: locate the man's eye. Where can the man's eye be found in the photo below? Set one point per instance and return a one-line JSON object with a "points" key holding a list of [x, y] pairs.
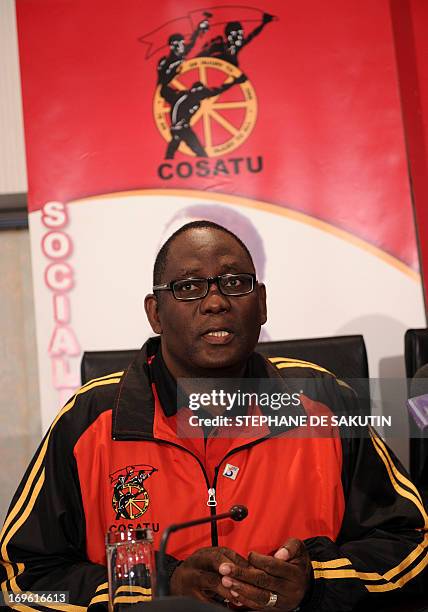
{"points": [[186, 287], [233, 282]]}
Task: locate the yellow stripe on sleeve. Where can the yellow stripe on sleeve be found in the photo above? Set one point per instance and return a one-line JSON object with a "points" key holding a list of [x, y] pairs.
{"points": [[19, 504], [377, 588], [322, 571], [107, 376], [99, 598], [395, 475], [396, 472], [281, 363], [319, 565], [336, 573], [10, 528], [295, 363]]}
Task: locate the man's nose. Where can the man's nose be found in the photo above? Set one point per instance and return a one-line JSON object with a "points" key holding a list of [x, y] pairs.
{"points": [[214, 302]]}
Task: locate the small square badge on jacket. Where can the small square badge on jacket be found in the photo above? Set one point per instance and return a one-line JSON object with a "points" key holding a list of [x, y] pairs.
{"points": [[230, 471]]}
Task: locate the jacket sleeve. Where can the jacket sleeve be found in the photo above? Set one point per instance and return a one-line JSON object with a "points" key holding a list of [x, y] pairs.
{"points": [[382, 547], [42, 544]]}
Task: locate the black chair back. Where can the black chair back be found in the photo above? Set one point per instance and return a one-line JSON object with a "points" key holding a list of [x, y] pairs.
{"points": [[344, 356], [416, 356], [100, 363], [415, 350]]}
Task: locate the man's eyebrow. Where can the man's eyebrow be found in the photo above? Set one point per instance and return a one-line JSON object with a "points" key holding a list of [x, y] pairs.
{"points": [[189, 272], [195, 272], [232, 267]]}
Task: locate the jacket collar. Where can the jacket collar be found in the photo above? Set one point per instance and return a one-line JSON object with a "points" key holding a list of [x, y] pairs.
{"points": [[134, 404]]}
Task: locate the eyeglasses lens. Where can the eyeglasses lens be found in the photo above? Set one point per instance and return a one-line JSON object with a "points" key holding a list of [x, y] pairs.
{"points": [[190, 289], [236, 284]]}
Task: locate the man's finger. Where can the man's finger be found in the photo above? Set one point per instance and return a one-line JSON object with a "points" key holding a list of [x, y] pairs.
{"points": [[208, 583], [259, 577], [229, 560], [198, 575], [252, 597], [295, 548], [210, 559], [282, 553], [256, 578], [276, 568]]}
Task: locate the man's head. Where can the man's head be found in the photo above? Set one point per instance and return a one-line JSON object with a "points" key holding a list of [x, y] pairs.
{"points": [[176, 44], [234, 33], [228, 217], [215, 334]]}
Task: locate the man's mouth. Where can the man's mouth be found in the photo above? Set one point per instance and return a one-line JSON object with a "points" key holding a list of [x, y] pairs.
{"points": [[218, 336]]}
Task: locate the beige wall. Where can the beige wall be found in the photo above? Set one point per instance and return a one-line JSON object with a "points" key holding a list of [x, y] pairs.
{"points": [[20, 428], [13, 176]]}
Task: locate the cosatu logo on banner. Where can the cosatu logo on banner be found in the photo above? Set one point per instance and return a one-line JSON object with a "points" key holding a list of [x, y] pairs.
{"points": [[205, 106]]}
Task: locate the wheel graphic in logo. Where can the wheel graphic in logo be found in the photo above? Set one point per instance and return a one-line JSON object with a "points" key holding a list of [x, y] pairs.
{"points": [[198, 112], [134, 502], [130, 499]]}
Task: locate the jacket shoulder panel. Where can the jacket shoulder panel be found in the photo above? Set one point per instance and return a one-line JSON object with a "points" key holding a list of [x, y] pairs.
{"points": [[85, 406], [299, 368]]}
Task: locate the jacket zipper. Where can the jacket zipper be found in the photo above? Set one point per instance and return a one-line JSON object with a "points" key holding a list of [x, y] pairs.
{"points": [[214, 531], [211, 500]]}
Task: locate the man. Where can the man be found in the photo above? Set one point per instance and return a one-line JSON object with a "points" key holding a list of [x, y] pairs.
{"points": [[184, 104], [330, 521], [228, 49], [169, 66]]}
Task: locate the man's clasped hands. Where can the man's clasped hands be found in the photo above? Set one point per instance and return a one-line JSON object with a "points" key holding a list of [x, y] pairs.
{"points": [[279, 581]]}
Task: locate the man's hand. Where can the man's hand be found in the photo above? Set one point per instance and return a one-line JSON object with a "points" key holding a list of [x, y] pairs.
{"points": [[198, 576], [203, 26], [287, 574]]}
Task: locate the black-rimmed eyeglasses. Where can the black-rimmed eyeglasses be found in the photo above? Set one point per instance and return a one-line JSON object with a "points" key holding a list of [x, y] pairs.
{"points": [[197, 288]]}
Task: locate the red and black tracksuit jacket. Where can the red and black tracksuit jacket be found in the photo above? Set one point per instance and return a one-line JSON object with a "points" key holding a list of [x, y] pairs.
{"points": [[350, 500]]}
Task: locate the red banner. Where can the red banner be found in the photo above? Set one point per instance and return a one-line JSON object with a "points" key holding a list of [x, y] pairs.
{"points": [[316, 127]]}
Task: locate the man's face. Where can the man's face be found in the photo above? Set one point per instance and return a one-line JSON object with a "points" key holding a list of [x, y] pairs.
{"points": [[177, 47], [190, 346], [236, 37]]}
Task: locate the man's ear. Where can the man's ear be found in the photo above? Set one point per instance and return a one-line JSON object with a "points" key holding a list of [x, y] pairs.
{"points": [[152, 312], [262, 303]]}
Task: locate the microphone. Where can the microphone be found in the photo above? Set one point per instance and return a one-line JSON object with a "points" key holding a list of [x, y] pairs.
{"points": [[236, 513]]}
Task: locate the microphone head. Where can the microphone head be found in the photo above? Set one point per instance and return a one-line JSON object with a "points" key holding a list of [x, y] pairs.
{"points": [[238, 513]]}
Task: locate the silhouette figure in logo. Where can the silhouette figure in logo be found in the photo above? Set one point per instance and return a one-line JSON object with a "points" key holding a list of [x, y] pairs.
{"points": [[184, 104], [123, 498], [138, 480], [169, 66], [229, 48]]}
